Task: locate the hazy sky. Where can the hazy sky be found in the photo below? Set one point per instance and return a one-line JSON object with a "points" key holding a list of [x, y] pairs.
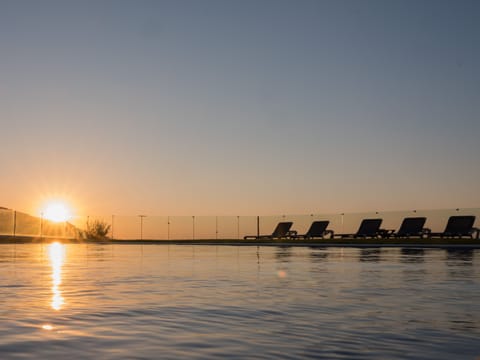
{"points": [[240, 107]]}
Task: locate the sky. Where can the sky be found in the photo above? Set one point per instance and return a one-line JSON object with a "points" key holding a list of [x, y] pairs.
{"points": [[240, 107]]}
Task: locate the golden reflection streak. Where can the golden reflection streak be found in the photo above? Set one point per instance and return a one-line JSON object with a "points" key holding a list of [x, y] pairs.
{"points": [[56, 252]]}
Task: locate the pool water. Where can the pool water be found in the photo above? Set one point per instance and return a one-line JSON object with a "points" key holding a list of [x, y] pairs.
{"points": [[178, 301]]}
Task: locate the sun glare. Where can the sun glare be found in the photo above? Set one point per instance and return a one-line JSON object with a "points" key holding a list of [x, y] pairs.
{"points": [[56, 211]]}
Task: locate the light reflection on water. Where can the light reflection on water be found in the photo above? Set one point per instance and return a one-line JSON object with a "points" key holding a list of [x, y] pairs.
{"points": [[56, 252], [129, 301]]}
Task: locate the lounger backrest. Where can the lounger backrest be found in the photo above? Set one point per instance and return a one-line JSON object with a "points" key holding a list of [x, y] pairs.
{"points": [[317, 228], [412, 226], [282, 229], [369, 227], [460, 225]]}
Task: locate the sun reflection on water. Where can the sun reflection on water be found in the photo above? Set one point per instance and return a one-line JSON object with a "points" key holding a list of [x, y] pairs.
{"points": [[56, 252]]}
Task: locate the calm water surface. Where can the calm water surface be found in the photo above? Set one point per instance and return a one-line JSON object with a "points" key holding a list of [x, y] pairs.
{"points": [[153, 301]]}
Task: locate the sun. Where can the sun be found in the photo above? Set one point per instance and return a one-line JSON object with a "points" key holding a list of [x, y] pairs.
{"points": [[57, 211]]}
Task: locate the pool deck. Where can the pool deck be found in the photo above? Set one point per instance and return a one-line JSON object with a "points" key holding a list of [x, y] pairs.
{"points": [[464, 243]]}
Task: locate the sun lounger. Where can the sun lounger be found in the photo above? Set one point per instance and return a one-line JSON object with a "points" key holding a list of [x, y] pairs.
{"points": [[460, 226], [318, 229], [368, 228], [281, 231], [412, 226]]}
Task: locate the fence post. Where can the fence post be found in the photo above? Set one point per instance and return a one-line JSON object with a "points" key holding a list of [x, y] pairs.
{"points": [[168, 227], [238, 227], [342, 214], [141, 226], [41, 226], [14, 223], [113, 218], [193, 230]]}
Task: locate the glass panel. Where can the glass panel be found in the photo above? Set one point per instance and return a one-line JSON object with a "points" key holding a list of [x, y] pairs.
{"points": [[213, 227], [6, 222]]}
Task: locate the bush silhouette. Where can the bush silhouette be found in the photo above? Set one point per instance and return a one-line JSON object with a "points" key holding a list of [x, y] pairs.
{"points": [[96, 230]]}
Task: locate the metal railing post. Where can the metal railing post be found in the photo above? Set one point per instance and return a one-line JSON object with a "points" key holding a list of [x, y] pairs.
{"points": [[193, 230], [113, 222], [14, 223], [41, 226], [238, 227], [141, 225], [168, 227]]}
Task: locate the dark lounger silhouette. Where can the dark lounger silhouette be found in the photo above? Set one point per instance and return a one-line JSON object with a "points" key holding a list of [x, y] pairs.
{"points": [[368, 228], [281, 231], [318, 229], [460, 226], [412, 226]]}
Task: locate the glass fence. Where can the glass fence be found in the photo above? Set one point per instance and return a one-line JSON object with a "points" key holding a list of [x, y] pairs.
{"points": [[143, 227]]}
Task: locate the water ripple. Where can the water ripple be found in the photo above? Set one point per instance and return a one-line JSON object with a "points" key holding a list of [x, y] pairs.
{"points": [[218, 302]]}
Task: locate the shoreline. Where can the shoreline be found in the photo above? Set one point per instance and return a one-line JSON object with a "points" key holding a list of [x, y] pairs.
{"points": [[345, 242]]}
